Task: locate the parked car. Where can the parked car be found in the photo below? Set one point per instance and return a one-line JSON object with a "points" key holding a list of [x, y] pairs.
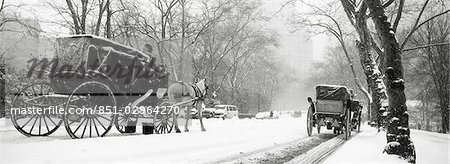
{"points": [[194, 113], [297, 114], [208, 112], [225, 111]]}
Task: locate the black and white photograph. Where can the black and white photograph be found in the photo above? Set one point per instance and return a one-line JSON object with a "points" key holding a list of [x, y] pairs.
{"points": [[224, 81]]}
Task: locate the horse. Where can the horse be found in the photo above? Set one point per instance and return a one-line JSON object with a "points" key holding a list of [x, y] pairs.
{"points": [[188, 95]]}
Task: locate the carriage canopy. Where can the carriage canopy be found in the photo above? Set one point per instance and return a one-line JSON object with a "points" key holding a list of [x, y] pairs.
{"points": [[77, 46], [128, 69], [332, 92]]}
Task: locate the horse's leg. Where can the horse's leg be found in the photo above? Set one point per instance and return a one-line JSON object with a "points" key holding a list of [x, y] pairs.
{"points": [[188, 115], [177, 129], [199, 109]]}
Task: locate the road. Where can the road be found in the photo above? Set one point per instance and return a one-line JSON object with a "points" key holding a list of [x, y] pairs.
{"points": [[224, 139]]}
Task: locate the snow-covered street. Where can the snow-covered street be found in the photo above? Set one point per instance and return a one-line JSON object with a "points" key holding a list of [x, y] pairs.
{"points": [[223, 139], [231, 140]]}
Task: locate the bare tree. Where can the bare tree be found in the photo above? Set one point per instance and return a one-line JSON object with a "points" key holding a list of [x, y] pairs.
{"points": [[10, 14], [436, 32], [2, 72], [369, 62], [323, 18], [229, 52], [340, 74], [174, 28], [222, 39], [399, 141], [85, 17], [217, 44], [390, 63], [14, 29], [416, 26]]}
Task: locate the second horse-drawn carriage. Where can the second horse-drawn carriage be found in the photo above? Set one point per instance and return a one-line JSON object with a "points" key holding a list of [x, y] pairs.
{"points": [[335, 109], [92, 85]]}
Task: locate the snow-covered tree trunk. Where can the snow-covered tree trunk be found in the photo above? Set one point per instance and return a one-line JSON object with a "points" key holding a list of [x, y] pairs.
{"points": [[398, 134], [358, 19], [372, 76], [2, 91]]}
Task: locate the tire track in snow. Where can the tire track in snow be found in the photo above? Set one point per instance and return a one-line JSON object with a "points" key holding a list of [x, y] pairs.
{"points": [[279, 153], [320, 153]]}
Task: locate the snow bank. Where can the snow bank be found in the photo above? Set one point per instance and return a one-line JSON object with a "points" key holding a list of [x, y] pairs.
{"points": [[266, 115], [2, 122], [431, 147], [4, 126], [421, 132], [367, 147]]}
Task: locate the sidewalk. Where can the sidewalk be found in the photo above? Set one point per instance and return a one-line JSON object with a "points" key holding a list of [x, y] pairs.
{"points": [[367, 147]]}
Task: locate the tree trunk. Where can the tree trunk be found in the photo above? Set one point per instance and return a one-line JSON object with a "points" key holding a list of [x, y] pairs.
{"points": [[368, 63], [74, 16], [183, 31], [84, 4], [108, 19], [398, 134], [355, 76], [372, 75], [444, 114], [440, 72], [102, 9], [2, 91]]}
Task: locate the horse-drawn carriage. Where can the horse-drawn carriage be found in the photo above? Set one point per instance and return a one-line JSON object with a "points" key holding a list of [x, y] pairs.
{"points": [[94, 84], [334, 108]]}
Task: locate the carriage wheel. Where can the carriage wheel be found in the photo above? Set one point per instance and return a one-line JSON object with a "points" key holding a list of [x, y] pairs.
{"points": [[359, 122], [348, 131], [122, 121], [35, 124], [164, 122], [87, 114], [309, 121]]}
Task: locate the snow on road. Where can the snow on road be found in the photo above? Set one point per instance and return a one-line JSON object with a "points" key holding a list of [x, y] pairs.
{"points": [[367, 147], [223, 139]]}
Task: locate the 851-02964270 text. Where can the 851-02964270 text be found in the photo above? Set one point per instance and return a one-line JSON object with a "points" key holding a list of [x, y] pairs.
{"points": [[97, 109]]}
